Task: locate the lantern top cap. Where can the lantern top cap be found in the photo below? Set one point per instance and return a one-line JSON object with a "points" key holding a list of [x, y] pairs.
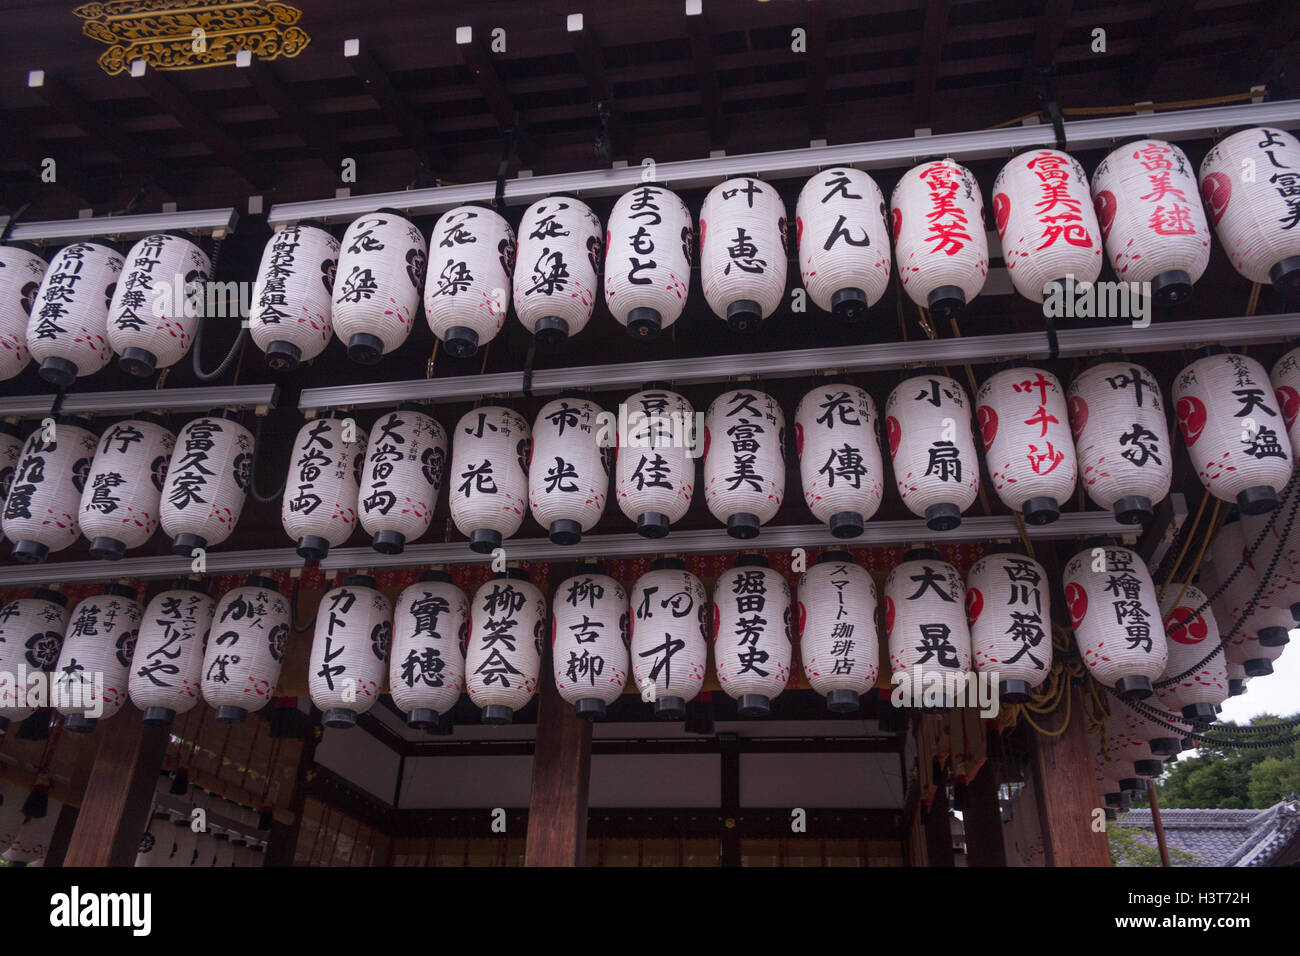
{"points": [[229, 414], [1233, 131], [11, 429], [412, 407], [1097, 541], [656, 386], [590, 567], [1007, 547], [752, 561], [1105, 358], [434, 574], [576, 394], [189, 584], [336, 414], [1206, 351], [311, 223], [358, 581], [921, 554], [119, 590], [514, 574], [261, 581], [49, 594], [76, 421], [180, 234], [23, 245], [667, 564], [834, 555], [388, 211], [153, 418]]}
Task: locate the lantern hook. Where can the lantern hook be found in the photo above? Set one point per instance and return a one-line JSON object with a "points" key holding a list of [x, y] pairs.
{"points": [[1047, 102]]}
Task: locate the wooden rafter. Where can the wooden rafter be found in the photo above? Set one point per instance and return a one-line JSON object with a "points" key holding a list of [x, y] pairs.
{"points": [[927, 61]]}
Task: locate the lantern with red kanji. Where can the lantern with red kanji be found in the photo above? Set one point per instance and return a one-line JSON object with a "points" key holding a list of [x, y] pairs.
{"points": [[942, 251], [1046, 222], [555, 268], [1008, 607], [1193, 636], [669, 650], [925, 619], [838, 638], [836, 437], [744, 460], [1151, 218], [648, 243], [743, 252], [1234, 432], [1118, 422], [504, 656], [589, 640], [751, 634], [1025, 428], [1116, 618], [843, 242], [1249, 181], [932, 449]]}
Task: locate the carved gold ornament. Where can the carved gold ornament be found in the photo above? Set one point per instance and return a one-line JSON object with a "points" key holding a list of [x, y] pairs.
{"points": [[176, 35]]}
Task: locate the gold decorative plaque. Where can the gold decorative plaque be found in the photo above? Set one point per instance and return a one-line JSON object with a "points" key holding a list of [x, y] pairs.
{"points": [[177, 35]]}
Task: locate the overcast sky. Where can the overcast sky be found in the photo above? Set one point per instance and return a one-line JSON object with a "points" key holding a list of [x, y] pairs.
{"points": [[1278, 693]]}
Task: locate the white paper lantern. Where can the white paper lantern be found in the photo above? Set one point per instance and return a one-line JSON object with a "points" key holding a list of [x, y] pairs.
{"points": [[207, 481], [290, 317], [1235, 435], [401, 477], [90, 679], [669, 648], [156, 842], [1246, 656], [122, 498], [1117, 418], [377, 290], [349, 655], [21, 270], [11, 449], [32, 841], [744, 460], [648, 242], [589, 640], [40, 513], [167, 669], [467, 290], [1008, 606], [1046, 223], [1025, 426], [1256, 216], [488, 488], [31, 634], [152, 318], [504, 656], [940, 245], [743, 252], [12, 798], [569, 484], [426, 670], [843, 242], [838, 638], [1130, 751], [1281, 552], [319, 506], [932, 449], [1151, 217], [1116, 618], [1191, 638], [1237, 678], [68, 329], [1262, 624], [185, 846], [925, 623], [751, 634], [836, 439], [1285, 379], [660, 436], [241, 664], [555, 268]]}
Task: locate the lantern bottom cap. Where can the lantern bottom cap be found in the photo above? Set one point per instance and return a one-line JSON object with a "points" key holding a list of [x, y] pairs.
{"points": [[1115, 799], [565, 531], [667, 564], [849, 305], [1039, 511], [283, 356], [1013, 691], [107, 549], [59, 372], [4, 724], [1200, 713], [460, 341], [80, 724], [946, 301], [185, 543], [551, 331], [1273, 636], [744, 315], [842, 701], [1172, 287], [921, 554], [1148, 768], [228, 714], [1295, 611], [590, 708], [422, 717], [159, 716], [846, 524], [497, 714], [340, 718], [29, 552], [484, 540], [1166, 746], [1285, 275], [1131, 783], [389, 542], [138, 362], [943, 516], [1258, 667], [365, 349], [753, 705], [743, 525], [313, 547], [1257, 500], [1236, 686], [1134, 509], [670, 708], [652, 524], [1135, 687], [644, 324]]}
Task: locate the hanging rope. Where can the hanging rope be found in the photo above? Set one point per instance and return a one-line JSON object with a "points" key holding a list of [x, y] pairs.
{"points": [[197, 348], [252, 484], [293, 611]]}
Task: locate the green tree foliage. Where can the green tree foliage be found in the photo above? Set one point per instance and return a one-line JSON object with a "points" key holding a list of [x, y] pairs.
{"points": [[1225, 778], [1130, 846]]}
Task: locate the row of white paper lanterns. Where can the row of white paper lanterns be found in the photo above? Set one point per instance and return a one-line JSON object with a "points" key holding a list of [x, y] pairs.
{"points": [[25, 839], [1143, 206], [171, 841], [1109, 428]]}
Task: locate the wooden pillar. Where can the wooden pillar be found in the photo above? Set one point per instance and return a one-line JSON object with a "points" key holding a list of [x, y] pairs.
{"points": [[1066, 790], [282, 845], [61, 836], [938, 830], [119, 793], [557, 806], [983, 819], [731, 855]]}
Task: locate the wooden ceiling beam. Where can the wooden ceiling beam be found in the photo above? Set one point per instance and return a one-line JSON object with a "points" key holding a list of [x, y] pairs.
{"points": [[1278, 27], [1052, 24], [927, 62], [816, 40], [292, 113], [706, 77], [475, 54], [395, 107], [1172, 16], [586, 48]]}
